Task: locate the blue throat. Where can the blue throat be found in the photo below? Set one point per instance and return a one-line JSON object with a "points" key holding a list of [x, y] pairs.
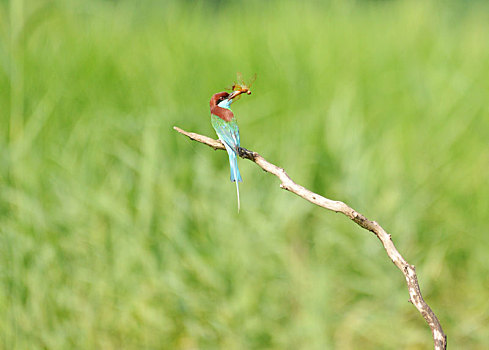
{"points": [[225, 104]]}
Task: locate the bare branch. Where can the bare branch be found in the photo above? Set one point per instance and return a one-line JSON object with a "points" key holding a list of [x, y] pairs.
{"points": [[409, 272]]}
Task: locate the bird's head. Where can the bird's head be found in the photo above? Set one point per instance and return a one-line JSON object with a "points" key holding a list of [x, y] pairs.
{"points": [[220, 105]]}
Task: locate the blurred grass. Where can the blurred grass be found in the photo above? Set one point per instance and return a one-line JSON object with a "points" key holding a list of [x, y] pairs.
{"points": [[116, 232]]}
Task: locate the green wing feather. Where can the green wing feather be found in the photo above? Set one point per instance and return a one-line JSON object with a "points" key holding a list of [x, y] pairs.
{"points": [[227, 131]]}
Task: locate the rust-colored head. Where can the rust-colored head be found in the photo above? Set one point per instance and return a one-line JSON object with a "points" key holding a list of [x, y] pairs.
{"points": [[223, 113]]}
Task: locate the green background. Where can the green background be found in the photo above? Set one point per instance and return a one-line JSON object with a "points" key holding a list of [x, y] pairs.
{"points": [[116, 232]]}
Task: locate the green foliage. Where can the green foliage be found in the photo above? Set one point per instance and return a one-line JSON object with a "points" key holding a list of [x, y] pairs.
{"points": [[118, 233]]}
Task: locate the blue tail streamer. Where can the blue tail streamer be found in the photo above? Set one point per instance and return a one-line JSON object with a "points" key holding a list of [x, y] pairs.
{"points": [[233, 164]]}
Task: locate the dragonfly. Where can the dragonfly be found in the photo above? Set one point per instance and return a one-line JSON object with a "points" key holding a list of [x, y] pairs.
{"points": [[240, 86]]}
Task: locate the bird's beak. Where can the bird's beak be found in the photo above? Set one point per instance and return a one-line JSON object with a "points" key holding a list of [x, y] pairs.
{"points": [[234, 94]]}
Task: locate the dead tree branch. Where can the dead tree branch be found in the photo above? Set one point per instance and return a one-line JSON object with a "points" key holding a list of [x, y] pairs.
{"points": [[409, 272]]}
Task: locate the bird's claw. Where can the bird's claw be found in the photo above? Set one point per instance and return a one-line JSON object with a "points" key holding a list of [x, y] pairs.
{"points": [[244, 153]]}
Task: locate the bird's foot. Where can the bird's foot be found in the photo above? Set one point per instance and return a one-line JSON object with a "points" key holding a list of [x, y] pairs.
{"points": [[244, 153]]}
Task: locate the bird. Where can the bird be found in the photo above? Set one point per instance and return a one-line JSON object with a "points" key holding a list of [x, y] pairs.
{"points": [[226, 127]]}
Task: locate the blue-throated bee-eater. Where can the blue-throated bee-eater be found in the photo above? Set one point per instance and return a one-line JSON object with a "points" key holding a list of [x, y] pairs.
{"points": [[226, 126]]}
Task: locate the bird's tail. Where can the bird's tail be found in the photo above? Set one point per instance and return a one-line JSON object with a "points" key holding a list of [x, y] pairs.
{"points": [[235, 175]]}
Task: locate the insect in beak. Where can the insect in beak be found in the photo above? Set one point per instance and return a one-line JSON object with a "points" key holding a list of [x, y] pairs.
{"points": [[240, 87], [235, 94]]}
